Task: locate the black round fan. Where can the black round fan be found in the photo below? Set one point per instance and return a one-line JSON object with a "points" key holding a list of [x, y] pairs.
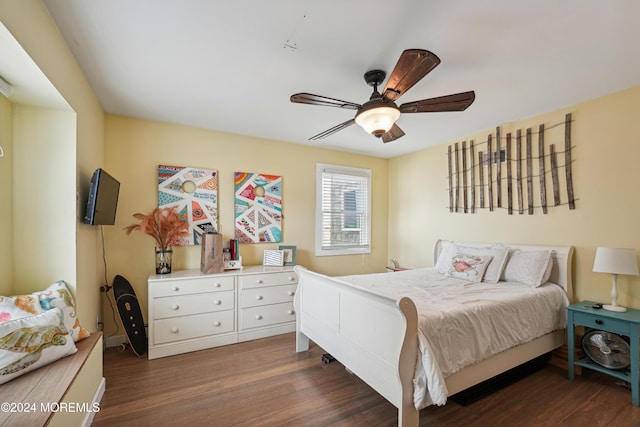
{"points": [[607, 349]]}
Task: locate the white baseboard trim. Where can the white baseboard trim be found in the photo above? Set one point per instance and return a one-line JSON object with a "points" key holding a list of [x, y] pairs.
{"points": [[115, 341], [97, 397]]}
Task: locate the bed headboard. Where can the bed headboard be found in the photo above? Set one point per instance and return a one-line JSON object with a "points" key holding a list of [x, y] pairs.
{"points": [[562, 257]]}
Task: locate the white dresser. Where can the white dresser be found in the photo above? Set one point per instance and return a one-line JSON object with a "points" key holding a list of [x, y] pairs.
{"points": [[190, 311]]}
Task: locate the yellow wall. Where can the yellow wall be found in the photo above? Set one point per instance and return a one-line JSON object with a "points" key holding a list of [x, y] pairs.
{"points": [[6, 190], [605, 179], [135, 148], [44, 218], [30, 24]]}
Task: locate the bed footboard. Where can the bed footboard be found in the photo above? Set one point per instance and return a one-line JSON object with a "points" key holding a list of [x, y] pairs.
{"points": [[374, 336]]}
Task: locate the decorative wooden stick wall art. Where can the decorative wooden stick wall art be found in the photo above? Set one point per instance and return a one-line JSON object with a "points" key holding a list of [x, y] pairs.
{"points": [[487, 166]]}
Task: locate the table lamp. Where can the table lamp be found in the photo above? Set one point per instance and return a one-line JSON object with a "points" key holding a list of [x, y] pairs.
{"points": [[615, 261]]}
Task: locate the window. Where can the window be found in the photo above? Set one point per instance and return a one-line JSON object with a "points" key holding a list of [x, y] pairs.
{"points": [[343, 210]]}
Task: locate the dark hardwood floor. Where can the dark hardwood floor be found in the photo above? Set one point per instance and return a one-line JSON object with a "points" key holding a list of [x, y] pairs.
{"points": [[266, 383]]}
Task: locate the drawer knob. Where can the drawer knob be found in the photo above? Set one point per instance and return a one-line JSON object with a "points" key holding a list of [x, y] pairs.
{"points": [[174, 330], [217, 302], [218, 285], [291, 312], [175, 307], [258, 281], [258, 316], [175, 288], [292, 278], [259, 297], [291, 293], [599, 322], [217, 323]]}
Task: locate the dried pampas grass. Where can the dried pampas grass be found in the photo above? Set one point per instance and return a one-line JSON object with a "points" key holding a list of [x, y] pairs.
{"points": [[163, 224]]}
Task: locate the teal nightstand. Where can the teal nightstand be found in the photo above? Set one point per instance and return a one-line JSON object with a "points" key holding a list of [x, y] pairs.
{"points": [[627, 324]]}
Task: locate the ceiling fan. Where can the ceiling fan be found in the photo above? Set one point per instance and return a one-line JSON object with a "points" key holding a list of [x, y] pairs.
{"points": [[378, 115]]}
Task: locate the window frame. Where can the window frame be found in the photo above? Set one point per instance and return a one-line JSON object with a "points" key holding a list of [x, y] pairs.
{"points": [[365, 220]]}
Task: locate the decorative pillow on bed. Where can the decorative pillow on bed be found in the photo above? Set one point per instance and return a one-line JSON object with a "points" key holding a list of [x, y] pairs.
{"points": [[31, 342], [531, 268], [499, 254], [444, 259], [468, 267]]}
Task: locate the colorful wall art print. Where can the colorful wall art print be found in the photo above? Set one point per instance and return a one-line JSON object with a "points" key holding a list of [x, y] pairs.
{"points": [[258, 207], [194, 192]]}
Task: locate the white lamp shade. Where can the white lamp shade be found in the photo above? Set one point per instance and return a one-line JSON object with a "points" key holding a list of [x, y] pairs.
{"points": [[379, 119], [616, 261]]}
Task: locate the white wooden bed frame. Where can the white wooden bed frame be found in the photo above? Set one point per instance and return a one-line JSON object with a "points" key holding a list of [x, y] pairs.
{"points": [[375, 336]]}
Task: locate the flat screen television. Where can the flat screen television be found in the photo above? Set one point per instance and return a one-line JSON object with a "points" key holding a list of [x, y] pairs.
{"points": [[103, 199]]}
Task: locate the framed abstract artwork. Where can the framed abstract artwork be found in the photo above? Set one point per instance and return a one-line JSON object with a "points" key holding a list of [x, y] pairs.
{"points": [[194, 192], [258, 208]]}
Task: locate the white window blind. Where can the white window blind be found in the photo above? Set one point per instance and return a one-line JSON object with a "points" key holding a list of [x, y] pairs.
{"points": [[343, 210]]}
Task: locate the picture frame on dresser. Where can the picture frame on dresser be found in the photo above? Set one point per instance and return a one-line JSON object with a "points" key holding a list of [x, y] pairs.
{"points": [[273, 258], [289, 254]]}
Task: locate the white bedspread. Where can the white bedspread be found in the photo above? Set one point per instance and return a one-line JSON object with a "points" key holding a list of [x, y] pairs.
{"points": [[461, 323]]}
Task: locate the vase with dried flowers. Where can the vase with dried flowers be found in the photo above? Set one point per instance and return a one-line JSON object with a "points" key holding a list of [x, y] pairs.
{"points": [[166, 227]]}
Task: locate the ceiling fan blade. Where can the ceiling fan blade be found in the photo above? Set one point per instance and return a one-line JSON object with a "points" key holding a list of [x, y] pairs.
{"points": [[456, 102], [309, 98], [412, 66], [392, 134], [333, 130]]}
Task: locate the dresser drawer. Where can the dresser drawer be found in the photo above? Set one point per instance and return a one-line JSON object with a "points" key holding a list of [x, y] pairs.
{"points": [[183, 305], [267, 295], [597, 322], [266, 315], [186, 327], [268, 279], [193, 286]]}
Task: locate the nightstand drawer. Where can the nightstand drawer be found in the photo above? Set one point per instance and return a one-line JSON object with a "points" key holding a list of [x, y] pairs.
{"points": [[600, 322]]}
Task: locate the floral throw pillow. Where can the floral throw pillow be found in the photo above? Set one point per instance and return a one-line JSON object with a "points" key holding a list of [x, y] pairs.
{"points": [[468, 267], [31, 342]]}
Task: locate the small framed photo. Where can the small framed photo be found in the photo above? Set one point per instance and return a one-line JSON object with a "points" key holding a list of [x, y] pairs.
{"points": [[273, 258], [289, 254]]}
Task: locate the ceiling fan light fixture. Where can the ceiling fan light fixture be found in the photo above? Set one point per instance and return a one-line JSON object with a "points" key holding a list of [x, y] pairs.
{"points": [[378, 119]]}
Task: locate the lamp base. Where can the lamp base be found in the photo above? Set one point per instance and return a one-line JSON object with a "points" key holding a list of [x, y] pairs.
{"points": [[617, 308]]}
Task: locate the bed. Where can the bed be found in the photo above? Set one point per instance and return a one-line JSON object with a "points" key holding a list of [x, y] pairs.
{"points": [[377, 325]]}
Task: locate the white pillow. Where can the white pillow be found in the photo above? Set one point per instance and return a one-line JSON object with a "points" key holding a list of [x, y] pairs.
{"points": [[531, 268], [468, 267], [496, 266], [56, 295], [444, 259], [30, 342]]}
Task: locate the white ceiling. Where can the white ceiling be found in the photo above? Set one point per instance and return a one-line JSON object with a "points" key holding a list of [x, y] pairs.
{"points": [[232, 65]]}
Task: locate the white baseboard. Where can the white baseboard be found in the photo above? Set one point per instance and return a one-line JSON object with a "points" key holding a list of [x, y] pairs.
{"points": [[115, 341], [97, 397]]}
